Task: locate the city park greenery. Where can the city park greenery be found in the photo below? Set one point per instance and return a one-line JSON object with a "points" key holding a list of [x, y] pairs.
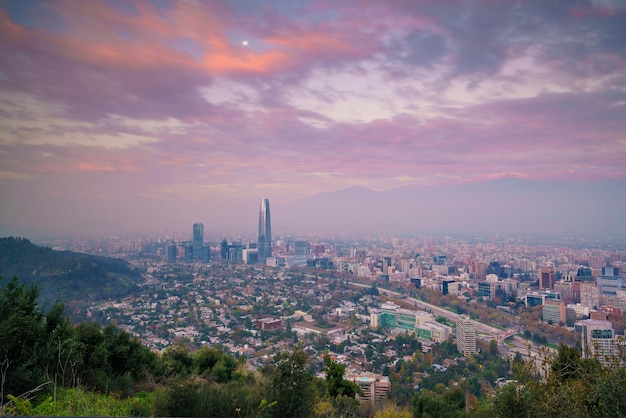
{"points": [[50, 367]]}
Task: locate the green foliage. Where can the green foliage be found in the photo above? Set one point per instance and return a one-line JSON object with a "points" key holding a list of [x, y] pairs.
{"points": [[17, 406], [66, 275], [180, 399], [337, 385], [28, 339], [513, 401], [372, 290], [78, 402], [177, 361], [110, 359], [573, 387], [206, 358], [291, 385], [450, 403], [567, 364], [41, 347], [191, 397]]}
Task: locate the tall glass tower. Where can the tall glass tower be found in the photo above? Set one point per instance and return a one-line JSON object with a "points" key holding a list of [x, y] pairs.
{"points": [[265, 231], [198, 240]]}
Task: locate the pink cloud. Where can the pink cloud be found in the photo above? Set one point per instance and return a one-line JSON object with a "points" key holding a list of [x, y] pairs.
{"points": [[94, 167]]}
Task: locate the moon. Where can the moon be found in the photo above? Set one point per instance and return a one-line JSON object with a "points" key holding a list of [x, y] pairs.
{"points": [[244, 43]]}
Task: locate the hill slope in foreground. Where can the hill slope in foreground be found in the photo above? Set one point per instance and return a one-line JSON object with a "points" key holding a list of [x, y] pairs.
{"points": [[65, 275]]}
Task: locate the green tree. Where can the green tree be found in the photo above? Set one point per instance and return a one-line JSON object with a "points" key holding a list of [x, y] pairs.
{"points": [[177, 361], [572, 387], [567, 363], [28, 339], [514, 401], [206, 358], [337, 385], [291, 385]]}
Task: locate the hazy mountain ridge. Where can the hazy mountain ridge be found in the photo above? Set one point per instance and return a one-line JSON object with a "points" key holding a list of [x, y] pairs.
{"points": [[66, 275], [510, 206]]}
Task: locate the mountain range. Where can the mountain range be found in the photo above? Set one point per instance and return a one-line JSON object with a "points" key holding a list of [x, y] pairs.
{"points": [[509, 206], [505, 206]]}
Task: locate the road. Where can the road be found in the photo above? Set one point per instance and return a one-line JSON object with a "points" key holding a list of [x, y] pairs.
{"points": [[486, 332], [481, 328]]}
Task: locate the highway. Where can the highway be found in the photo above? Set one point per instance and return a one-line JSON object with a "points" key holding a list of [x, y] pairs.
{"points": [[484, 331], [481, 328]]}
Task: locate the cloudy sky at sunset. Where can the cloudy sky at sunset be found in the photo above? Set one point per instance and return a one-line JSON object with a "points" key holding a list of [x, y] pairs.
{"points": [[153, 114]]}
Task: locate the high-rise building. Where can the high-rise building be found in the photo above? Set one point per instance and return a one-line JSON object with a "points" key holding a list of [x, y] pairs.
{"points": [[265, 231], [598, 340], [198, 239], [171, 252], [589, 295], [465, 335], [188, 246], [547, 278], [224, 249], [206, 254], [302, 248]]}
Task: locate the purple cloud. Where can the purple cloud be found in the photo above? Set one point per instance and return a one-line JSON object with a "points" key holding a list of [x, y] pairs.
{"points": [[208, 100]]}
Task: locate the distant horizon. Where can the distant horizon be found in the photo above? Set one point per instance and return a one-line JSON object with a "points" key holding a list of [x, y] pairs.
{"points": [[323, 205]]}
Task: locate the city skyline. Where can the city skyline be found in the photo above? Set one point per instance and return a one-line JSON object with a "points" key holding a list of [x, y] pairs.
{"points": [[474, 117]]}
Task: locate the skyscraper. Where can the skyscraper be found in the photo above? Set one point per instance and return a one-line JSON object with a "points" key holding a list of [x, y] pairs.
{"points": [[265, 231], [171, 252], [198, 239]]}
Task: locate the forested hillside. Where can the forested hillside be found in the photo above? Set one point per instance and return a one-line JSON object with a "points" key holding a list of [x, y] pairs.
{"points": [[66, 275]]}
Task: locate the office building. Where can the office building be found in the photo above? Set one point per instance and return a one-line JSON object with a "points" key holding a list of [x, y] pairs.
{"points": [[250, 255], [450, 286], [224, 249], [584, 274], [188, 246], [494, 268], [302, 248], [465, 335], [198, 239], [171, 252], [564, 287], [206, 254], [547, 278], [554, 311], [434, 331], [235, 252], [610, 282], [536, 298], [589, 295], [265, 231], [598, 340]]}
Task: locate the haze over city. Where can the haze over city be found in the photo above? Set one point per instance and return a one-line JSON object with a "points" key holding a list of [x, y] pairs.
{"points": [[352, 116]]}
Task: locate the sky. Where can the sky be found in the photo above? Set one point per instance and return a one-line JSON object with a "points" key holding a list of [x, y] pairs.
{"points": [[148, 115]]}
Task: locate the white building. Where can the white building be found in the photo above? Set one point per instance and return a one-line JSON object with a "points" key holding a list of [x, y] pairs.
{"points": [[466, 335], [598, 340], [374, 386]]}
